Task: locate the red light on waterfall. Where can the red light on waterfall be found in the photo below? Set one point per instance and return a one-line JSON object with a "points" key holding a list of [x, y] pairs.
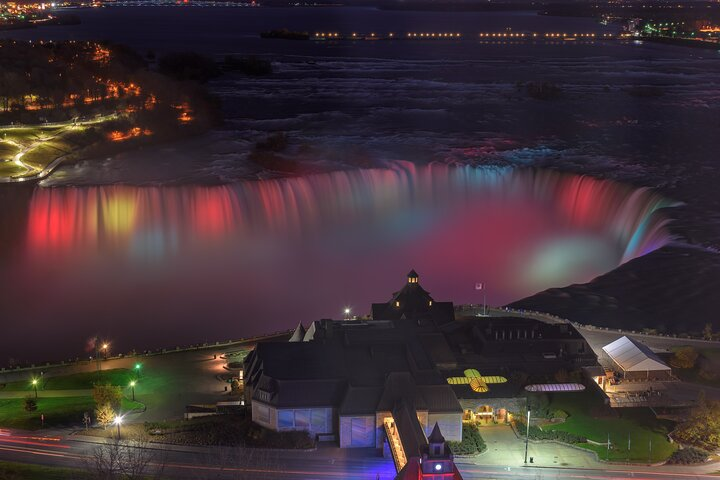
{"points": [[213, 212]]}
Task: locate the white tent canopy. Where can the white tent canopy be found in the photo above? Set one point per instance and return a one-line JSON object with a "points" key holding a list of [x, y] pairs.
{"points": [[633, 356]]}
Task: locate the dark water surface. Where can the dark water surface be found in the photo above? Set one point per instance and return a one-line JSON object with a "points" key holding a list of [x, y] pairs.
{"points": [[141, 249]]}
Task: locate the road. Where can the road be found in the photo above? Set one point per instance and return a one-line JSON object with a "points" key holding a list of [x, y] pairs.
{"points": [[327, 462], [598, 337]]}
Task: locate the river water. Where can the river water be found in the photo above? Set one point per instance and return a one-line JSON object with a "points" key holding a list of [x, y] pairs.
{"points": [[182, 243]]}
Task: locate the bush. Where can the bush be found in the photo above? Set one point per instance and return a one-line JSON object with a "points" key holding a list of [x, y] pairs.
{"points": [[688, 456], [226, 430], [539, 403], [684, 357], [106, 394], [536, 433], [472, 442], [30, 404], [561, 414]]}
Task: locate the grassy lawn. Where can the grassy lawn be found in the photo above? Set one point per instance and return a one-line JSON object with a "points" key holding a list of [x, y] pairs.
{"points": [[40, 156], [58, 411], [77, 381], [639, 423], [10, 169], [7, 151], [27, 135], [44, 153], [21, 471]]}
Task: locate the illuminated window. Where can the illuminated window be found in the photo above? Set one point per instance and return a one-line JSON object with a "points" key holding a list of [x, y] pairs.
{"points": [[397, 304], [430, 303]]}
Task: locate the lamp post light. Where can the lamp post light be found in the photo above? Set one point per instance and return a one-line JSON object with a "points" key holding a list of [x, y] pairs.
{"points": [[118, 422], [132, 386], [34, 384], [138, 367], [347, 313], [105, 347]]}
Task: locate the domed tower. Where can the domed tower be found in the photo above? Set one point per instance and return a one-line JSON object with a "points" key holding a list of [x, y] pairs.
{"points": [[438, 460], [413, 303]]}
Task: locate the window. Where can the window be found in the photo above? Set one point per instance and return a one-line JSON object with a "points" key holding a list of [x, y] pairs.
{"points": [[261, 413], [430, 303], [397, 304], [318, 422], [302, 419], [285, 419]]}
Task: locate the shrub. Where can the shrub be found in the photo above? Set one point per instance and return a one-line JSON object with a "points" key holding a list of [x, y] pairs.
{"points": [[536, 433], [107, 394], [472, 442], [684, 357], [561, 414], [688, 456], [30, 404]]}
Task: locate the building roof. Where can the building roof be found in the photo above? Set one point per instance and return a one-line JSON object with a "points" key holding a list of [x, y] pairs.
{"points": [[409, 429], [633, 356], [360, 400], [555, 387], [300, 393], [299, 334], [435, 435]]}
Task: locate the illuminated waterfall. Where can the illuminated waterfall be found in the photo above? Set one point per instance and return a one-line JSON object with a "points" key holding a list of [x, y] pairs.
{"points": [[167, 217]]}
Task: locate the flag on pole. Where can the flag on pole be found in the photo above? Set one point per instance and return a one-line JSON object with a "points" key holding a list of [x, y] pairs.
{"points": [[479, 286]]}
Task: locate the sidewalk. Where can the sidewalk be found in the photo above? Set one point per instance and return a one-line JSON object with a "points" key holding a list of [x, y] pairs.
{"points": [[47, 393]]}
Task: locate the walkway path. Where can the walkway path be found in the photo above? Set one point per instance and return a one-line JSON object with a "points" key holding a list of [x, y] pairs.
{"points": [[47, 169], [46, 393]]}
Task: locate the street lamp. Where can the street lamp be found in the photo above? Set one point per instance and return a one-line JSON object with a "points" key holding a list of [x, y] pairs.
{"points": [[105, 349], [132, 385], [118, 421], [34, 384], [138, 366], [527, 436], [347, 313]]}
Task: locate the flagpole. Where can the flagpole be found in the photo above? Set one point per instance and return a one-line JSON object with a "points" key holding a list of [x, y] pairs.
{"points": [[484, 302]]}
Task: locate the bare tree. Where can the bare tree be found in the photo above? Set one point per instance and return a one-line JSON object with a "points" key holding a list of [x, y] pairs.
{"points": [[131, 459]]}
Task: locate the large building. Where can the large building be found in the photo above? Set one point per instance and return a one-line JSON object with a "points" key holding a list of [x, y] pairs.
{"points": [[414, 368], [344, 378], [636, 361]]}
